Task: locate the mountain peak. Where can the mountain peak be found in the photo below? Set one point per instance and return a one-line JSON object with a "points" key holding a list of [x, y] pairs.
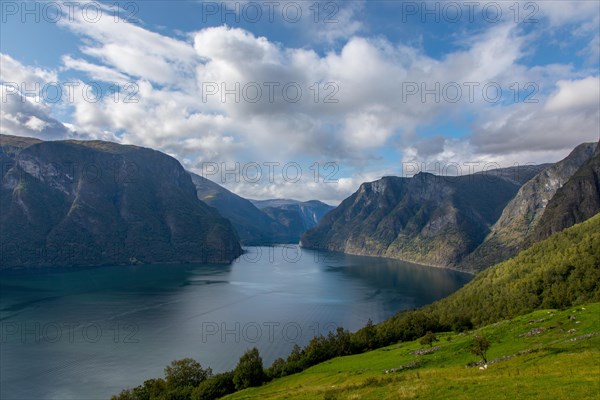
{"points": [[423, 174]]}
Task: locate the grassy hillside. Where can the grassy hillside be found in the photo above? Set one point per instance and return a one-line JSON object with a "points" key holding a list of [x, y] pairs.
{"points": [[561, 362], [558, 272]]}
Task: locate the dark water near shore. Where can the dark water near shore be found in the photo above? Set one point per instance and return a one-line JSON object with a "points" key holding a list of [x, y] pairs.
{"points": [[88, 333]]}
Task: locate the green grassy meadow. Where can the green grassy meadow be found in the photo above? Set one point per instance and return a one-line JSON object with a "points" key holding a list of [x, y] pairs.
{"points": [[546, 363]]}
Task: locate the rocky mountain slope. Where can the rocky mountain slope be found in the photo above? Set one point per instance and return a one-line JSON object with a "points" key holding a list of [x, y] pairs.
{"points": [[426, 219], [575, 202], [521, 216], [92, 203]]}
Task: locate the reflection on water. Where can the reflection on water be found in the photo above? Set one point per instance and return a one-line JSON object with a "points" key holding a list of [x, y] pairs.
{"points": [[88, 333]]}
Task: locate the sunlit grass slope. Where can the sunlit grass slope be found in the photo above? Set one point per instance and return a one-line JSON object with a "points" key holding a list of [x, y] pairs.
{"points": [[546, 354]]}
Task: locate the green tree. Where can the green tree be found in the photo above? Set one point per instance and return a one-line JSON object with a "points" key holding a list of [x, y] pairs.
{"points": [[126, 394], [151, 389], [480, 347], [296, 354], [185, 372], [214, 388], [277, 369], [366, 338], [429, 338], [179, 393], [249, 371], [342, 341], [295, 361]]}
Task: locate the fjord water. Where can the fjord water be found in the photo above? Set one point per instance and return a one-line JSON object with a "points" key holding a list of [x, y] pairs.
{"points": [[88, 333]]}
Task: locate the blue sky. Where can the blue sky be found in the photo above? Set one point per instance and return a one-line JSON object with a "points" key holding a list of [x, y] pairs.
{"points": [[382, 84]]}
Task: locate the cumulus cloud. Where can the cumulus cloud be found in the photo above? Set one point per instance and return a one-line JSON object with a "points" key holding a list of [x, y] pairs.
{"points": [[224, 94], [571, 115], [15, 72], [27, 117], [575, 95], [561, 12]]}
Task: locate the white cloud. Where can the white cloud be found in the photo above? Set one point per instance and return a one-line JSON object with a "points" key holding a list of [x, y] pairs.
{"points": [[368, 73], [593, 50], [367, 130], [569, 116], [373, 111], [561, 12], [132, 50], [15, 72], [336, 21], [460, 157], [36, 124], [233, 45], [575, 95], [329, 22], [22, 116], [94, 71]]}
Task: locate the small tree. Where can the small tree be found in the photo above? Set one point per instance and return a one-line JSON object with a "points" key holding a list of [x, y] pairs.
{"points": [[277, 369], [429, 338], [249, 371], [216, 387], [366, 337], [480, 347], [295, 355], [295, 361], [152, 388], [185, 372]]}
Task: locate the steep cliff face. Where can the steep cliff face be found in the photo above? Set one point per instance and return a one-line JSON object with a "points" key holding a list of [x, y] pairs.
{"points": [[426, 219], [93, 203], [524, 212], [575, 202]]}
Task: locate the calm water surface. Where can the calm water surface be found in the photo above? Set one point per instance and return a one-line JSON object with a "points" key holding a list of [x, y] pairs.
{"points": [[88, 333]]}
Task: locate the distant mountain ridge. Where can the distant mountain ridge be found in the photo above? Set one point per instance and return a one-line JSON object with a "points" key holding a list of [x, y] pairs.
{"points": [[260, 222], [519, 174], [253, 226], [310, 212], [76, 203]]}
